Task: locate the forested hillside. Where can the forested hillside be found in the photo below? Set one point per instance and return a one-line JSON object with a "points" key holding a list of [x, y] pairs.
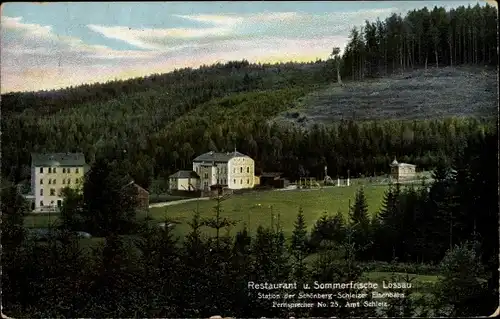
{"points": [[465, 35], [158, 123]]}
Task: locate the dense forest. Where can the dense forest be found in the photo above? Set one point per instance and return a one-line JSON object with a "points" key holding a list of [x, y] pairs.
{"points": [[464, 35], [160, 122]]}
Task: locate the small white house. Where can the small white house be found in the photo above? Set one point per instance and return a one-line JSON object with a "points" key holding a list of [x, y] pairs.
{"points": [[402, 171], [184, 181]]}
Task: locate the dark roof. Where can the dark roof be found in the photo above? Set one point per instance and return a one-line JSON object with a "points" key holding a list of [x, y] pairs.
{"points": [[185, 174], [218, 157], [58, 159], [140, 188]]}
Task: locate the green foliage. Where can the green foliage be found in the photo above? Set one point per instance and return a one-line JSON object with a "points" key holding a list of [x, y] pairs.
{"points": [[109, 200], [14, 208], [461, 289], [298, 246], [328, 228], [420, 38]]}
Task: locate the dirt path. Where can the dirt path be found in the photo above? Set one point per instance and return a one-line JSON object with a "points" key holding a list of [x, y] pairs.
{"points": [[177, 202]]}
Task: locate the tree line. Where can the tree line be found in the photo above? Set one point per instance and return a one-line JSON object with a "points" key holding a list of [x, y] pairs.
{"points": [[423, 37], [145, 271]]}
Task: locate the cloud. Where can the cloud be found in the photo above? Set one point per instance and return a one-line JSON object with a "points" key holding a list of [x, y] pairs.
{"points": [[35, 57], [221, 27], [217, 28], [155, 39], [33, 39]]}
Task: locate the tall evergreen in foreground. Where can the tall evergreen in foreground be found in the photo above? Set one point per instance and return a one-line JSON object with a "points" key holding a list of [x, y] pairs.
{"points": [[298, 247], [360, 220]]}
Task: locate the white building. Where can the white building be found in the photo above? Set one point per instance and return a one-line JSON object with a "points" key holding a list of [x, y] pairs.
{"points": [[402, 171], [233, 170], [184, 181], [50, 174]]}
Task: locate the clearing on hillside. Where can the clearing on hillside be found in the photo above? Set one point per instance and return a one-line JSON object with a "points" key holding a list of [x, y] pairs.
{"points": [[418, 94]]}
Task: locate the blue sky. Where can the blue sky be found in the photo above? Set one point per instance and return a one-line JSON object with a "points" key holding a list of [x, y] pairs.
{"points": [[54, 45]]}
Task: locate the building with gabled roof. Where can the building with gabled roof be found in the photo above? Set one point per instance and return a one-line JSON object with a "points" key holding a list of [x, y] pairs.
{"points": [[402, 171], [50, 174], [233, 170], [184, 180]]}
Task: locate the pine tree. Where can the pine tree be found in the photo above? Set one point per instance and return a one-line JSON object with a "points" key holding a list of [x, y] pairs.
{"points": [[218, 222], [71, 214], [195, 273], [298, 246], [14, 210], [242, 267], [361, 223], [461, 289], [110, 200]]}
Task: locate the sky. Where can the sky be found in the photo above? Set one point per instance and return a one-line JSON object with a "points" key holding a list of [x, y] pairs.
{"points": [[48, 46]]}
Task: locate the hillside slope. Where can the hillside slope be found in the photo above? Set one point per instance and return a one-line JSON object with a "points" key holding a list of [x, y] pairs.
{"points": [[419, 94]]}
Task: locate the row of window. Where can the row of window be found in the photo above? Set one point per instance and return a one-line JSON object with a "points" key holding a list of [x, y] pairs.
{"points": [[52, 192], [219, 171], [241, 170], [54, 181], [52, 170], [59, 203], [241, 181]]}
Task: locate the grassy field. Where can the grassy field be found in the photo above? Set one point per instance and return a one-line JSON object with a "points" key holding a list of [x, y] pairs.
{"points": [[416, 94], [257, 208]]}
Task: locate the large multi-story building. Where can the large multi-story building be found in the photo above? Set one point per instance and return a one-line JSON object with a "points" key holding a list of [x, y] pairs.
{"points": [[233, 170], [51, 173]]}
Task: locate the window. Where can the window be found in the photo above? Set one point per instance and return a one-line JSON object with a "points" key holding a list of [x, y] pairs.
{"points": [[64, 181], [248, 181], [50, 181], [234, 170], [54, 170], [41, 181], [41, 203], [52, 192], [64, 171], [51, 203], [234, 181], [68, 170], [50, 170], [76, 170], [69, 181], [53, 181], [41, 192], [241, 169], [248, 169], [241, 181], [41, 170], [206, 175]]}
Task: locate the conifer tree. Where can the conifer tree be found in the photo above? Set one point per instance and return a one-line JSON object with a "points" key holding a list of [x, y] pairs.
{"points": [[298, 246], [361, 223], [461, 288]]}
